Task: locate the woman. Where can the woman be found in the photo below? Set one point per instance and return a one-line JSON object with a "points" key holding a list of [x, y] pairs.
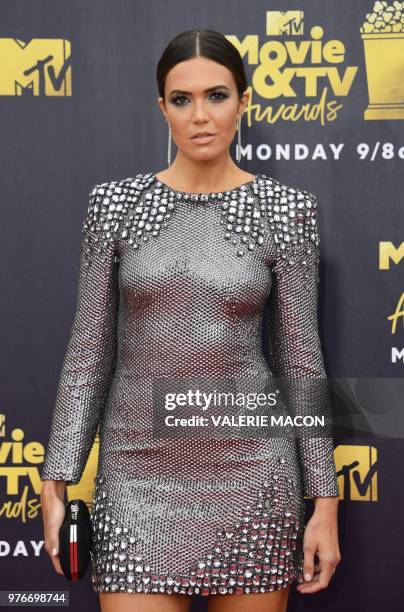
{"points": [[175, 271]]}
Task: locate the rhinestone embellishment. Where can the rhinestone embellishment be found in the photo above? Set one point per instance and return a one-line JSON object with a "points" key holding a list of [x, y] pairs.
{"points": [[260, 553], [117, 210], [243, 222], [108, 206], [292, 220]]}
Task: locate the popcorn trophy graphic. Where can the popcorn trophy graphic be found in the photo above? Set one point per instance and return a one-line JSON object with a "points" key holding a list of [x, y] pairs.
{"points": [[383, 40]]}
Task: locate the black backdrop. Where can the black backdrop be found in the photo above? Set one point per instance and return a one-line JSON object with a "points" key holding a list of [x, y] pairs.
{"points": [[102, 122]]}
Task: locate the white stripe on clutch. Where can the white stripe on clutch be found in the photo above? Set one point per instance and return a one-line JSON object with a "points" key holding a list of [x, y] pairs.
{"points": [[73, 533]]}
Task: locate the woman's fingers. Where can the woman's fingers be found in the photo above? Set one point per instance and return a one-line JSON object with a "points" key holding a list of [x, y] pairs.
{"points": [[52, 547], [322, 574], [53, 513], [308, 564], [320, 543]]}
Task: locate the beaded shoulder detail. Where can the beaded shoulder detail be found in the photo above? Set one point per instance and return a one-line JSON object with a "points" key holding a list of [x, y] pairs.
{"points": [[137, 209], [292, 219]]}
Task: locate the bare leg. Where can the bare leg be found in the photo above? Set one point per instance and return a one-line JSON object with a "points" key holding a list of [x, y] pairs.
{"points": [[144, 602], [273, 601]]}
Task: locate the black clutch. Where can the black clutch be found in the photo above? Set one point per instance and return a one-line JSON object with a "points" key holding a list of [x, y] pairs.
{"points": [[75, 540]]}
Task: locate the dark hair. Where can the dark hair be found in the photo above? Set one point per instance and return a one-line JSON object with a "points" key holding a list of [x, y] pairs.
{"points": [[206, 43]]}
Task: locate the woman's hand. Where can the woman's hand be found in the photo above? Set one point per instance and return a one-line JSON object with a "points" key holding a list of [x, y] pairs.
{"points": [[321, 539], [53, 513]]}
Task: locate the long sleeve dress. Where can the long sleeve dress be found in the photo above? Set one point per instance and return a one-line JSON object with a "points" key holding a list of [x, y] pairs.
{"points": [[173, 288]]}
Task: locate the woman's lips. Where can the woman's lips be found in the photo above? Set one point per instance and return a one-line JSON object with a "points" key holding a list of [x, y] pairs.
{"points": [[203, 139]]}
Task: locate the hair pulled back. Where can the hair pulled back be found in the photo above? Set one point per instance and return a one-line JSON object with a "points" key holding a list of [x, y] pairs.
{"points": [[205, 43]]}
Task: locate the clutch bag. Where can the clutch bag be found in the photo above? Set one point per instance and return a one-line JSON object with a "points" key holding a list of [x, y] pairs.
{"points": [[75, 540]]}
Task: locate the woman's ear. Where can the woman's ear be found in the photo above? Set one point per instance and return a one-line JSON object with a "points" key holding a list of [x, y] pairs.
{"points": [[244, 102], [160, 103]]}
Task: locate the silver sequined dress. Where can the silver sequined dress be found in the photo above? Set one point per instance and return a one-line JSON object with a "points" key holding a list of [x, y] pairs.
{"points": [[174, 284]]}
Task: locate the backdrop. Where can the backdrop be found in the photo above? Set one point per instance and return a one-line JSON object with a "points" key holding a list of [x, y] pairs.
{"points": [[78, 102]]}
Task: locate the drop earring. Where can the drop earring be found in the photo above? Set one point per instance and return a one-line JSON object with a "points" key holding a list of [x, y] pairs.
{"points": [[238, 152], [169, 146]]}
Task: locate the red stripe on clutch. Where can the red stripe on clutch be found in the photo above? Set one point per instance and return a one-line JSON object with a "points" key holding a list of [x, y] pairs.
{"points": [[74, 563]]}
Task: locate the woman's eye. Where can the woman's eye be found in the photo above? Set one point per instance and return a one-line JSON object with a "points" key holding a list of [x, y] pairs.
{"points": [[219, 93], [177, 99]]}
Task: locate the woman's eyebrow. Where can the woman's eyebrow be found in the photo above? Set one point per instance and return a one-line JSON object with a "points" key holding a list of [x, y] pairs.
{"points": [[188, 93]]}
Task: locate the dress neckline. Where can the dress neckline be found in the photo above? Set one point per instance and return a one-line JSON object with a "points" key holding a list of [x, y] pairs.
{"points": [[241, 187]]}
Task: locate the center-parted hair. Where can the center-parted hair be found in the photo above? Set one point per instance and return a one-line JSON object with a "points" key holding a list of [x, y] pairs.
{"points": [[201, 43]]}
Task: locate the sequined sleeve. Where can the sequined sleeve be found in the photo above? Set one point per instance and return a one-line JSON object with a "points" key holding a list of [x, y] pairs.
{"points": [[294, 336], [90, 357]]}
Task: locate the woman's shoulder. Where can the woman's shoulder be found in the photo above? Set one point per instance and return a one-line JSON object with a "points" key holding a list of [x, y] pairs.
{"points": [[286, 189], [274, 186], [108, 200], [292, 212], [280, 196]]}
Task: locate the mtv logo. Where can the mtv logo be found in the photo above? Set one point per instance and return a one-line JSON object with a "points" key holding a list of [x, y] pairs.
{"points": [[279, 23], [40, 67], [357, 472]]}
